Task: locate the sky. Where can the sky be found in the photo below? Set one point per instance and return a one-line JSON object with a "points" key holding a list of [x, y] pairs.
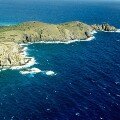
{"points": [[61, 0], [24, 1]]}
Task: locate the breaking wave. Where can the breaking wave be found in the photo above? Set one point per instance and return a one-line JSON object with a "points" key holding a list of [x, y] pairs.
{"points": [[27, 65], [30, 71], [66, 42]]}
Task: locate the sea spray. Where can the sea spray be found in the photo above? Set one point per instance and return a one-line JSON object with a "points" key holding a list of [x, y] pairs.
{"points": [[50, 73], [36, 71], [27, 65], [30, 71], [66, 42], [117, 31]]}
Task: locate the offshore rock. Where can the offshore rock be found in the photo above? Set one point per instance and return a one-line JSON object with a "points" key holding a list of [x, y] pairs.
{"points": [[104, 27]]}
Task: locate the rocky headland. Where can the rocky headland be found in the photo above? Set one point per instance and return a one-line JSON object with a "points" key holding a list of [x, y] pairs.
{"points": [[11, 53], [104, 27]]}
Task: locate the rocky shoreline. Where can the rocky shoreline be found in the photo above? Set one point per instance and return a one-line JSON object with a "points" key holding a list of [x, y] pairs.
{"points": [[104, 27], [37, 31], [12, 53]]}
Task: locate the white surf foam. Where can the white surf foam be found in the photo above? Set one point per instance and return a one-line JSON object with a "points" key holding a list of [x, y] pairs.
{"points": [[25, 48], [27, 65], [30, 71], [90, 38], [30, 63], [118, 31], [109, 31], [25, 51], [23, 44], [50, 73], [36, 70], [93, 32], [66, 42], [70, 41]]}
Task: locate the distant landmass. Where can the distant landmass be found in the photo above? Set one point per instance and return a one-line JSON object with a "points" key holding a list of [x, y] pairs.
{"points": [[37, 31], [11, 53]]}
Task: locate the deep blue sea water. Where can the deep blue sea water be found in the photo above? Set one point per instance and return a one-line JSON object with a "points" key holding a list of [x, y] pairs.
{"points": [[87, 83]]}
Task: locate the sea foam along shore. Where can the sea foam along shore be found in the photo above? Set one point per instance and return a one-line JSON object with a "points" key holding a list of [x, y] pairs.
{"points": [[31, 60], [36, 70], [64, 42], [30, 71], [24, 53], [117, 31], [69, 41], [27, 65]]}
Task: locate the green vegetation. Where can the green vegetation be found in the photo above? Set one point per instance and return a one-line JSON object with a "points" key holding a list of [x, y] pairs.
{"points": [[38, 31]]}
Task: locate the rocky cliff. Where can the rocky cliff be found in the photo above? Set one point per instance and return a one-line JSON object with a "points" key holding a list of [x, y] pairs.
{"points": [[11, 54]]}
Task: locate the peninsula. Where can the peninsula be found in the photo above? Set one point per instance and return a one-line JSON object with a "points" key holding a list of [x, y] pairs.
{"points": [[11, 53]]}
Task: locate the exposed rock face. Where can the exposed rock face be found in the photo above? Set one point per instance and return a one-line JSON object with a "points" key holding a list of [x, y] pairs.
{"points": [[88, 34], [104, 27], [11, 55]]}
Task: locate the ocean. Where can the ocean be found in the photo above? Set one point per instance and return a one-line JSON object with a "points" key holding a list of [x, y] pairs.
{"points": [[78, 81]]}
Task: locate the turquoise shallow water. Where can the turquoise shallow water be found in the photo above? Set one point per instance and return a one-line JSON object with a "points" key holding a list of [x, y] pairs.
{"points": [[87, 81]]}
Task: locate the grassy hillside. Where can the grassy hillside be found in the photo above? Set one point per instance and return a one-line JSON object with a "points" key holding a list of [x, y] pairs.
{"points": [[38, 31]]}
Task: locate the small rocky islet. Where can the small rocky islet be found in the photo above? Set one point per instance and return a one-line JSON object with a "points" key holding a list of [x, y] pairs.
{"points": [[11, 52]]}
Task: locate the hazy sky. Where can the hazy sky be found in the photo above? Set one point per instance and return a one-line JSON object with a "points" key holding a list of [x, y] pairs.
{"points": [[62, 0], [24, 1]]}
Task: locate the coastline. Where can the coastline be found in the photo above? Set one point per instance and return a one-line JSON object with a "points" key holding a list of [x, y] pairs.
{"points": [[69, 41], [64, 42], [117, 31], [33, 61], [30, 61]]}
